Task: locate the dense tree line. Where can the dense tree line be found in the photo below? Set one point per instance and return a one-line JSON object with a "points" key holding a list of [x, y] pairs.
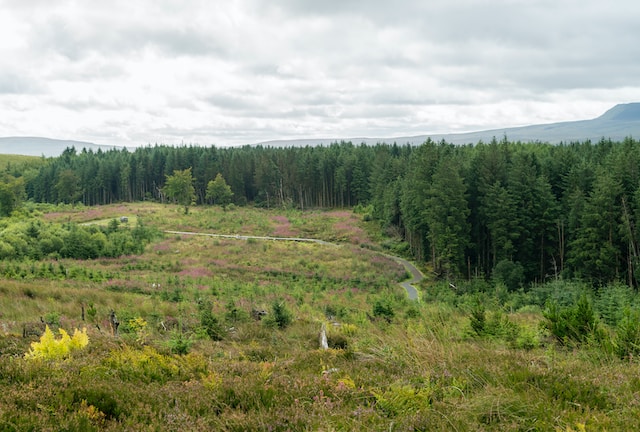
{"points": [[517, 212]]}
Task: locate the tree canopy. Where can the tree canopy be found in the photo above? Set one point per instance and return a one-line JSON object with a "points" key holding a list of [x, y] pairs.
{"points": [[219, 191], [549, 211], [179, 187]]}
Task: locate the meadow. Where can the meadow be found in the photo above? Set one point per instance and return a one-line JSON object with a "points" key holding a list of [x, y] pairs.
{"points": [[195, 351]]}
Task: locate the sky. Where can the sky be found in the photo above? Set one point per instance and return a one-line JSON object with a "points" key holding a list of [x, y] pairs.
{"points": [[235, 72]]}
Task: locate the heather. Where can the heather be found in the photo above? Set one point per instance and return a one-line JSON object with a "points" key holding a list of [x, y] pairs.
{"points": [[223, 334]]}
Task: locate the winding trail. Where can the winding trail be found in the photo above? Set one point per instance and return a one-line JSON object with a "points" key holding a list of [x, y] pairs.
{"points": [[408, 285]]}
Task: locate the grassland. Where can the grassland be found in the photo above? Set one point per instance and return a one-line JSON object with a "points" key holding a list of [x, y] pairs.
{"points": [[189, 356], [15, 160]]}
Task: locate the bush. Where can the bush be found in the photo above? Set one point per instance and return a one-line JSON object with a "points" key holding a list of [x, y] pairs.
{"points": [[280, 317], [179, 344], [382, 308], [209, 322], [478, 318], [627, 339], [574, 323]]}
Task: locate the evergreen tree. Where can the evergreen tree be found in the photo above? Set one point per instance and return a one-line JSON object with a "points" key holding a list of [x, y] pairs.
{"points": [[68, 186], [595, 253], [446, 213]]}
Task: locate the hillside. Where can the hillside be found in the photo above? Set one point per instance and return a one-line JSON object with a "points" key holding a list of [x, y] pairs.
{"points": [[37, 146], [223, 333], [619, 122]]}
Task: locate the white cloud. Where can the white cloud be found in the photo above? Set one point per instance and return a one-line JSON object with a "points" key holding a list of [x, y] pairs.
{"points": [[242, 71]]}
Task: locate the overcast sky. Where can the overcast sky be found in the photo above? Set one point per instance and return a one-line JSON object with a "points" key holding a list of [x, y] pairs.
{"points": [[230, 72]]}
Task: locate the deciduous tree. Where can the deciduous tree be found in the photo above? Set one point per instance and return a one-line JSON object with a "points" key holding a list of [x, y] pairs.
{"points": [[179, 187], [219, 191]]}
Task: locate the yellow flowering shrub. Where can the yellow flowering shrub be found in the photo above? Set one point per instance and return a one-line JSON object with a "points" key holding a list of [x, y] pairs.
{"points": [[50, 348]]}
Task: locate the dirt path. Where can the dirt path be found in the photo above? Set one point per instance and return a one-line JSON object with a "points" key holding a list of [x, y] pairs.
{"points": [[416, 275]]}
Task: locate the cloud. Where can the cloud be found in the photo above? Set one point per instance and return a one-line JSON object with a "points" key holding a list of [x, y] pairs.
{"points": [[247, 70]]}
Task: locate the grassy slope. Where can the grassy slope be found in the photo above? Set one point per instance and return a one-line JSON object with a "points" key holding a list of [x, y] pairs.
{"points": [[422, 371], [13, 160]]}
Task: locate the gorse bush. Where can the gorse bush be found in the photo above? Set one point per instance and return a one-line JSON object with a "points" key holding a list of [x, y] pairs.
{"points": [[50, 348]]}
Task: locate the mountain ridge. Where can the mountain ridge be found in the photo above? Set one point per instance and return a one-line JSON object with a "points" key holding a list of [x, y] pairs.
{"points": [[617, 123], [47, 147]]}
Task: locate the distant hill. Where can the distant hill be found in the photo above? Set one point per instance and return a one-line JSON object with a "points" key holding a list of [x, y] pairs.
{"points": [[618, 123], [36, 146]]}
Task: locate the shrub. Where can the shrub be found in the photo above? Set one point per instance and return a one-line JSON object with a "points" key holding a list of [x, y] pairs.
{"points": [[337, 341], [179, 344], [478, 318], [209, 322], [382, 308], [280, 317], [627, 339], [235, 314], [573, 323], [147, 365], [139, 327]]}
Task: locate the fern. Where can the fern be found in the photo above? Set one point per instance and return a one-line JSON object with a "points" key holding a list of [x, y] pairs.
{"points": [[50, 348]]}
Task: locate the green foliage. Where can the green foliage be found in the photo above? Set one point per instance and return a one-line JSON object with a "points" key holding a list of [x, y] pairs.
{"points": [[478, 318], [446, 212], [509, 273], [219, 191], [627, 338], [148, 365], [101, 400], [573, 323], [209, 322], [403, 399], [12, 191], [92, 312], [179, 343], [68, 186], [234, 314], [50, 348], [179, 188], [280, 317], [35, 240], [421, 371], [138, 326], [383, 308]]}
